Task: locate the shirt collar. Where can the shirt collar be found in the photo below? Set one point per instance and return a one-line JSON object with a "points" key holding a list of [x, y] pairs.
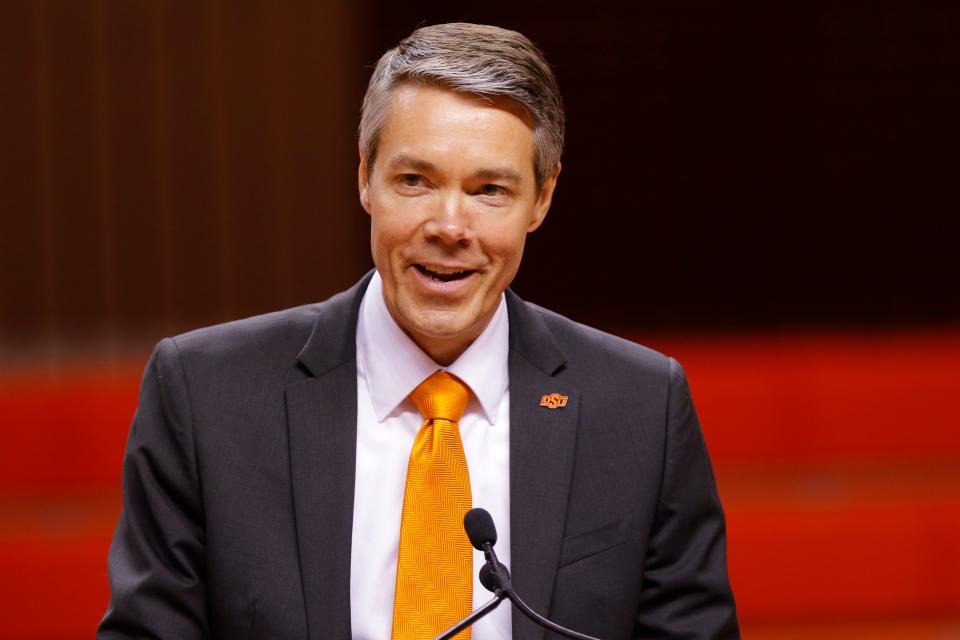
{"points": [[393, 365]]}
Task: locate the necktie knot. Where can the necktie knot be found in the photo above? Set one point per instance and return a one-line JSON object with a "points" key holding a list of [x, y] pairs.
{"points": [[441, 396]]}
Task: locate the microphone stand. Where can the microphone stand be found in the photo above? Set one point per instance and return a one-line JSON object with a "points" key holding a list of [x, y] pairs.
{"points": [[473, 617], [495, 577]]}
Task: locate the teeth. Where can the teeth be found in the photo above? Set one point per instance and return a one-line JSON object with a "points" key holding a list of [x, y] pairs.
{"points": [[444, 271], [443, 274]]}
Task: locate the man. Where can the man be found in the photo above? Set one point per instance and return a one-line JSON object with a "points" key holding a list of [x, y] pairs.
{"points": [[304, 473]]}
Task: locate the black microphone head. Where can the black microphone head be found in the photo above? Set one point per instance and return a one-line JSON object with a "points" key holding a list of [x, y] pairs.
{"points": [[486, 578], [480, 528], [493, 579]]}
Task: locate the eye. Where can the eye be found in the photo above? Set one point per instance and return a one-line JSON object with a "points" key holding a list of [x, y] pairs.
{"points": [[410, 180], [492, 190]]}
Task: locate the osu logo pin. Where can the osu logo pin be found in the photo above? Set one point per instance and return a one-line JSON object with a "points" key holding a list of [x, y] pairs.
{"points": [[553, 401]]}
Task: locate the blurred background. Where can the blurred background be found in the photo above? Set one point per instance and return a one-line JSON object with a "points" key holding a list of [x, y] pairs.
{"points": [[767, 193]]}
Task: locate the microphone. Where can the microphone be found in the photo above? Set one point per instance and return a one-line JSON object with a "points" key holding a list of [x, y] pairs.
{"points": [[479, 526], [483, 535], [496, 578]]}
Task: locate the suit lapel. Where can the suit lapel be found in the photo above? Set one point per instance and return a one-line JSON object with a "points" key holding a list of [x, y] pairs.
{"points": [[322, 422], [541, 459]]}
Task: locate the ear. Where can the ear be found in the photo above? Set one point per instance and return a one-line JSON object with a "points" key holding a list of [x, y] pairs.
{"points": [[544, 200], [363, 182]]}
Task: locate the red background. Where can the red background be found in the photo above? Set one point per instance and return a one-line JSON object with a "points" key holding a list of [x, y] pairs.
{"points": [[765, 191]]}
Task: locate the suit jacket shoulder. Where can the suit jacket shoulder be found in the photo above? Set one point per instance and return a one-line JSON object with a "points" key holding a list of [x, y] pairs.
{"points": [[581, 342], [272, 350], [627, 376]]}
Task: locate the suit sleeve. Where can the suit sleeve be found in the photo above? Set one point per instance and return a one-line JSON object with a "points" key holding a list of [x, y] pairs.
{"points": [[686, 592], [156, 561]]}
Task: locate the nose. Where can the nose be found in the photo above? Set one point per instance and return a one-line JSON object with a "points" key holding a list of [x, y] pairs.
{"points": [[450, 221]]}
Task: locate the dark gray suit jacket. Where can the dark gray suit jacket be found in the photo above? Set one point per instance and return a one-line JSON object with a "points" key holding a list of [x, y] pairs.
{"points": [[238, 485]]}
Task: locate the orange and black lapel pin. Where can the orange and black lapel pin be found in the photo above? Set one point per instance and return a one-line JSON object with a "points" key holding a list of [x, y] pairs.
{"points": [[553, 401]]}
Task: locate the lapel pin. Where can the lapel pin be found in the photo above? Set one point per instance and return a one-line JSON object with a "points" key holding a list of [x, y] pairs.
{"points": [[553, 401]]}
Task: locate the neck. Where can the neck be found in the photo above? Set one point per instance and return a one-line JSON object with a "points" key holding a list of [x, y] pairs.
{"points": [[443, 351]]}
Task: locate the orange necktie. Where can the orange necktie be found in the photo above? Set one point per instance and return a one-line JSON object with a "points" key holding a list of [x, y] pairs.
{"points": [[435, 563]]}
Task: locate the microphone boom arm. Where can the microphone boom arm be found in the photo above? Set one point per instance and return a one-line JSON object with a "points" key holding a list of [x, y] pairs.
{"points": [[543, 622], [473, 617]]}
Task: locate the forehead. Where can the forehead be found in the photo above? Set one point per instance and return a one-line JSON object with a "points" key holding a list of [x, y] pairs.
{"points": [[444, 126]]}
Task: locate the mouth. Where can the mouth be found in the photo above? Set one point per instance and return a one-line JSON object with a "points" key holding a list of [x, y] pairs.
{"points": [[444, 274]]}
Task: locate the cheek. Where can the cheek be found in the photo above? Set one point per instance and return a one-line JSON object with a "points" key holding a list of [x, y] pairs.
{"points": [[506, 240], [382, 247], [394, 222], [388, 233], [507, 249]]}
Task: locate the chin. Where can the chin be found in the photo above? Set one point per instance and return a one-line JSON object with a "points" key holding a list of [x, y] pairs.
{"points": [[440, 327], [438, 323]]}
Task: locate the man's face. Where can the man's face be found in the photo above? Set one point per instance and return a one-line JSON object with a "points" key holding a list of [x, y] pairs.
{"points": [[452, 196]]}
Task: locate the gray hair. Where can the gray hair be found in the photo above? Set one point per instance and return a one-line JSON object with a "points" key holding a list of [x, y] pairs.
{"points": [[476, 59]]}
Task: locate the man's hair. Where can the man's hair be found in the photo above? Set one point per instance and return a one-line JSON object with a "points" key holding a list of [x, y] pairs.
{"points": [[475, 59]]}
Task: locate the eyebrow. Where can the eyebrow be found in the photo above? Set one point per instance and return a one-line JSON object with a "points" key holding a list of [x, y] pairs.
{"points": [[503, 173], [405, 160]]}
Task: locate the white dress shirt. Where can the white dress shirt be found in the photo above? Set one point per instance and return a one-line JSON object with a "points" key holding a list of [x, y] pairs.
{"points": [[389, 366]]}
